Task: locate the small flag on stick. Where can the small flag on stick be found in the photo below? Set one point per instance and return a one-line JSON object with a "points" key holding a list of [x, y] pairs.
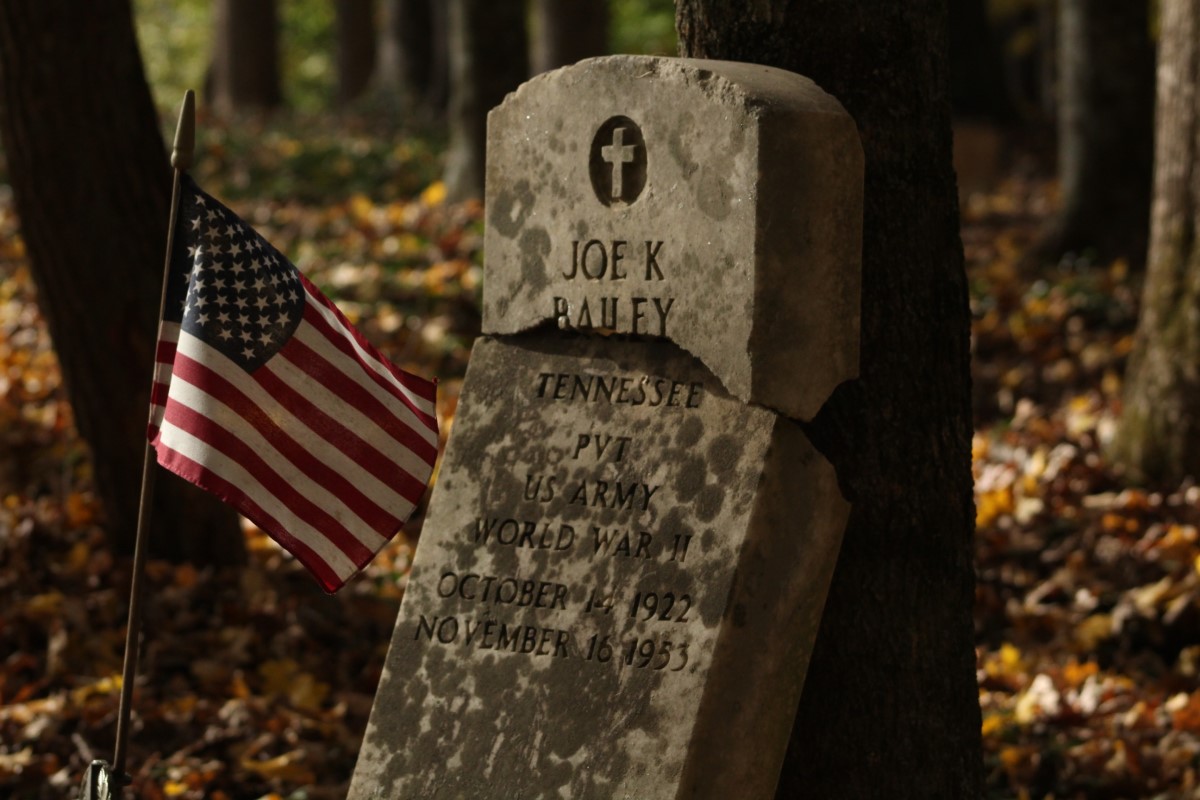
{"points": [[266, 396]]}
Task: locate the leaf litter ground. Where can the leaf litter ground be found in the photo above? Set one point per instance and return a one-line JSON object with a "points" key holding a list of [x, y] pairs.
{"points": [[255, 684]]}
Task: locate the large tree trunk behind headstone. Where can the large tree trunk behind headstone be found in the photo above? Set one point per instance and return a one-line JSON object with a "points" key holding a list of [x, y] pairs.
{"points": [[355, 48], [1159, 435], [1105, 130], [568, 32], [92, 185], [245, 62], [977, 86], [488, 59], [890, 706]]}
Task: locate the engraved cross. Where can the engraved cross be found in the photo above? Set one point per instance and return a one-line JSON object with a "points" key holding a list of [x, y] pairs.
{"points": [[618, 154]]}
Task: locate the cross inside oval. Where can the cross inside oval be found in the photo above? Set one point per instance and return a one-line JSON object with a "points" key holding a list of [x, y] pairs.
{"points": [[617, 162]]}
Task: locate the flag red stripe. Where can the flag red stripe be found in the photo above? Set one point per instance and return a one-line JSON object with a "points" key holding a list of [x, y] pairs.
{"points": [[310, 362], [419, 386], [189, 470], [208, 431], [212, 382], [338, 435], [158, 393], [165, 353]]}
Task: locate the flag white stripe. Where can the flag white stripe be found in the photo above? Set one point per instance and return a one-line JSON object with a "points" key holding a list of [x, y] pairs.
{"points": [[384, 496], [331, 318], [315, 339], [226, 468], [206, 405]]}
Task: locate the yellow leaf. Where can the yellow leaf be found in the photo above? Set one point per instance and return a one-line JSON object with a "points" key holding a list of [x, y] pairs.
{"points": [[1092, 631], [277, 675], [434, 194], [307, 693], [993, 724], [80, 510], [361, 206], [1010, 656], [287, 767], [44, 606], [1075, 673], [77, 559], [186, 576]]}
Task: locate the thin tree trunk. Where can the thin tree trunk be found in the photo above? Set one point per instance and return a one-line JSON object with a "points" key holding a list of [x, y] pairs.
{"points": [[355, 48], [568, 32], [245, 64], [91, 183], [412, 69], [1159, 435], [890, 706], [1105, 130], [488, 59]]}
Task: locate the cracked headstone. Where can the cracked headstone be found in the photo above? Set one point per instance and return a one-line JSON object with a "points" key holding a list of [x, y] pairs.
{"points": [[628, 549]]}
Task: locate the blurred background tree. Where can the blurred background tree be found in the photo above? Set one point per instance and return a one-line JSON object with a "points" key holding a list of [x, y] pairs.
{"points": [[91, 182], [1159, 436], [1105, 130], [244, 75]]}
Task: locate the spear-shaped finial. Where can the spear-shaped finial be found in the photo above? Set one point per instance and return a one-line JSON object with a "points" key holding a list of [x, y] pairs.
{"points": [[185, 134]]}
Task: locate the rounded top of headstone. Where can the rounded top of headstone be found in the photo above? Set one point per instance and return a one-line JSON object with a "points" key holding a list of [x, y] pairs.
{"points": [[712, 203]]}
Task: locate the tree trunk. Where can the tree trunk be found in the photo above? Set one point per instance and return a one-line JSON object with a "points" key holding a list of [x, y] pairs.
{"points": [[1105, 130], [569, 32], [890, 706], [412, 67], [245, 64], [355, 48], [488, 59], [1159, 435], [91, 183], [977, 86]]}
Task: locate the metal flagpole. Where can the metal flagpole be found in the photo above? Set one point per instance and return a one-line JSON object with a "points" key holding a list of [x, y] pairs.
{"points": [[101, 783]]}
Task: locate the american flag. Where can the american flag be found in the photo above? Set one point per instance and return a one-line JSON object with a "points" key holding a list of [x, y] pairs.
{"points": [[266, 396]]}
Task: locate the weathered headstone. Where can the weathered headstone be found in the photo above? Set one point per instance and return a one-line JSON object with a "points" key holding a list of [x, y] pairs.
{"points": [[629, 546]]}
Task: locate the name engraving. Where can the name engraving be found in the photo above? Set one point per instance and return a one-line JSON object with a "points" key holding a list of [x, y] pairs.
{"points": [[600, 261]]}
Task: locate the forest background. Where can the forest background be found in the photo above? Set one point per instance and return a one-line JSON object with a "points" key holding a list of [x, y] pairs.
{"points": [[1088, 581]]}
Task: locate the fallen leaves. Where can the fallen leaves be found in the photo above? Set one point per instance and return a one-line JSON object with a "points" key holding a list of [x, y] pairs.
{"points": [[256, 685], [253, 683], [1088, 590]]}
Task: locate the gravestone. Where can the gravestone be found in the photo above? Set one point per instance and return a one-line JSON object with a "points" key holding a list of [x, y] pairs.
{"points": [[630, 541]]}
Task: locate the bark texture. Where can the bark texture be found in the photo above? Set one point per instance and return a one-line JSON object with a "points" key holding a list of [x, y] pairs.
{"points": [[890, 707], [1105, 130], [245, 65], [355, 48], [1159, 435], [568, 32], [92, 188], [488, 59], [977, 86]]}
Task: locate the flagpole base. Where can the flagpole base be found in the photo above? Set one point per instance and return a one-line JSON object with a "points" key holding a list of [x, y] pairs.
{"points": [[99, 782]]}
